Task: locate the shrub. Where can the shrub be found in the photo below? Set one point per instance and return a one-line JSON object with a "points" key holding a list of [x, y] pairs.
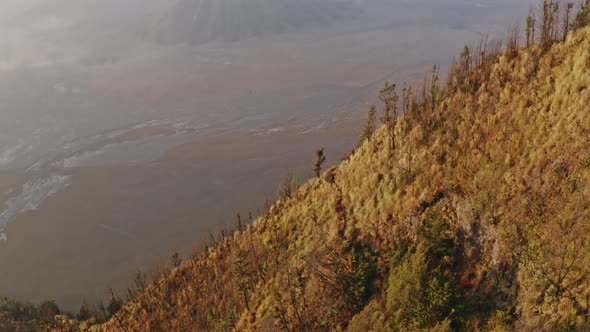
{"points": [[44, 311], [84, 313], [416, 296]]}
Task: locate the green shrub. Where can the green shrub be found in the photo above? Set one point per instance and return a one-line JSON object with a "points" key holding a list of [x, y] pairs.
{"points": [[418, 297], [26, 311], [47, 310]]}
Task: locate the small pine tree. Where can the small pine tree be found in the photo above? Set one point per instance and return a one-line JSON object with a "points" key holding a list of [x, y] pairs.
{"points": [[434, 88], [115, 304], [319, 161], [84, 313], [389, 97], [370, 126], [549, 10], [288, 188], [530, 28], [566, 19], [245, 275], [465, 60], [141, 283], [406, 98], [513, 41], [176, 261], [463, 69]]}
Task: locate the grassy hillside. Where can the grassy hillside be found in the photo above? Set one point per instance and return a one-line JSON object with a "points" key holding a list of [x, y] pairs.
{"points": [[471, 211]]}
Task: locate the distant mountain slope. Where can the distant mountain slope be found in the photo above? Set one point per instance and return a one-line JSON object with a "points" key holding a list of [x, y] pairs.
{"points": [[200, 21], [476, 217]]}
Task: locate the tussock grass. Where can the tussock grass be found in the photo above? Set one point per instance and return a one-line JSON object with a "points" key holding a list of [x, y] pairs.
{"points": [[502, 171]]}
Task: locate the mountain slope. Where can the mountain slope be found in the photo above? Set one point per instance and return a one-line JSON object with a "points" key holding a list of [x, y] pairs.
{"points": [[477, 218]]}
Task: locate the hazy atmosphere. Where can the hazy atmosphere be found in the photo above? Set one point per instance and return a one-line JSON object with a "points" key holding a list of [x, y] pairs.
{"points": [[130, 130]]}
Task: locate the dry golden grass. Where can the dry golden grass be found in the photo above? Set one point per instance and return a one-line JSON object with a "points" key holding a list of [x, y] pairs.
{"points": [[504, 168]]}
